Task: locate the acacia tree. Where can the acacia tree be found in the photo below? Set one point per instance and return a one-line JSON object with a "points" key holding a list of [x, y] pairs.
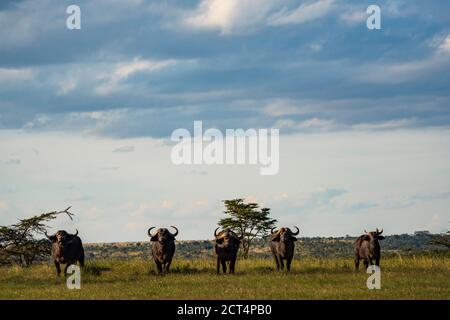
{"points": [[18, 243], [248, 220]]}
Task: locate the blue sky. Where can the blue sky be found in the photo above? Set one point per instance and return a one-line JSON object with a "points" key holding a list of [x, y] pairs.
{"points": [[85, 114]]}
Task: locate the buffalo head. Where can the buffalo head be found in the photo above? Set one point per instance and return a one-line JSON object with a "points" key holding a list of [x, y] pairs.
{"points": [[226, 237], [373, 235], [163, 235], [61, 237], [284, 235]]}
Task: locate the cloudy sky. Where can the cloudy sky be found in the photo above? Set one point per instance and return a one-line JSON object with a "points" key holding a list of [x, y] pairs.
{"points": [[364, 115]]}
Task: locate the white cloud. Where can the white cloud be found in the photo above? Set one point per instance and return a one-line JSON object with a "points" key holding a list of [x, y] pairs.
{"points": [[353, 16], [7, 74], [404, 71], [113, 81], [445, 45], [107, 88], [283, 107], [29, 21], [67, 86], [126, 69], [85, 122], [304, 13], [246, 16], [316, 122], [230, 16], [313, 124], [392, 124]]}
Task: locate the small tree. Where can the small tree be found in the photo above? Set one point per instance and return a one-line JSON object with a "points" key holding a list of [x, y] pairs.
{"points": [[18, 244], [248, 220]]}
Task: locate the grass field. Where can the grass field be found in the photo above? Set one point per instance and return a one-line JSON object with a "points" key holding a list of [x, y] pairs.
{"points": [[401, 278]]}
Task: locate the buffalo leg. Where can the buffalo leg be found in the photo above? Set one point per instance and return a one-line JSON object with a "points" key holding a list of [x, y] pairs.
{"points": [[377, 262], [159, 266], [366, 263], [232, 264], [277, 263], [288, 263], [224, 266], [66, 267], [356, 264], [281, 263], [168, 266], [58, 268], [218, 265], [81, 260]]}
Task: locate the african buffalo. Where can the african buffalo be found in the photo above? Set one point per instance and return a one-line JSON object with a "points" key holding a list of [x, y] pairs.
{"points": [[163, 247], [226, 249], [367, 248], [66, 249], [282, 246]]}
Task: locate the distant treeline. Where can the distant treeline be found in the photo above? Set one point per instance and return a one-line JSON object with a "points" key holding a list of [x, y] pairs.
{"points": [[418, 243]]}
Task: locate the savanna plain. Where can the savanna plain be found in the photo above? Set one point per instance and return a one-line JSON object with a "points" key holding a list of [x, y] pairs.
{"points": [[415, 277]]}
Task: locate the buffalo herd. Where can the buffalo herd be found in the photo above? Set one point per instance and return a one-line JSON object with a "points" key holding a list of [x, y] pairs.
{"points": [[68, 249]]}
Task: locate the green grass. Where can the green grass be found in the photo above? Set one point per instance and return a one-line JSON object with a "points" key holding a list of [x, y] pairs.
{"points": [[407, 278]]}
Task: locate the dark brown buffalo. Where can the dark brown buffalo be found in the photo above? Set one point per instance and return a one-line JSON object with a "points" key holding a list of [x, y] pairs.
{"points": [[163, 248], [367, 248], [66, 249], [282, 246], [226, 249]]}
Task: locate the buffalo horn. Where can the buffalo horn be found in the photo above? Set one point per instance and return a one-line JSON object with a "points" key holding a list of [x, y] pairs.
{"points": [[149, 231], [175, 230]]}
